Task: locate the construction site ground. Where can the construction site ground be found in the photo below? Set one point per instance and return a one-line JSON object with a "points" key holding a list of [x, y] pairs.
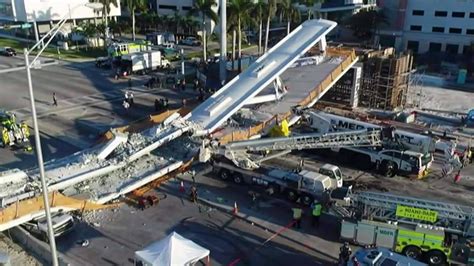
{"points": [[18, 256], [114, 235]]}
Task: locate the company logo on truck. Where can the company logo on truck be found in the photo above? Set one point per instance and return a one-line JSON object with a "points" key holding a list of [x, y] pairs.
{"points": [[340, 124], [417, 213]]}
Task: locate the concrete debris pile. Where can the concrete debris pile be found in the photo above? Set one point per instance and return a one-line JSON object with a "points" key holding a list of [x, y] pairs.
{"points": [[246, 117], [181, 149]]}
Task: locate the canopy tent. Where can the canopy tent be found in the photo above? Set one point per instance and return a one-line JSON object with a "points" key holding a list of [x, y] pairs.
{"points": [[174, 250]]}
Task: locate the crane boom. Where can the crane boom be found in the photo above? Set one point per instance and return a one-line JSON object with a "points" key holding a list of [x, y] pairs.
{"points": [[237, 151], [388, 207]]}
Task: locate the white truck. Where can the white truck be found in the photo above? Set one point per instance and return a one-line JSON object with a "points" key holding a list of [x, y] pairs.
{"points": [[303, 184], [62, 224], [143, 62], [405, 153]]}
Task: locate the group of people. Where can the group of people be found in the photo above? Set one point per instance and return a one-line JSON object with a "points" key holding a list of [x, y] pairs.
{"points": [[161, 104], [316, 209], [128, 101]]}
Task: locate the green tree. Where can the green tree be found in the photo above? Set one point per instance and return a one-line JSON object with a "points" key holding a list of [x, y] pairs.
{"points": [[271, 11], [239, 12], [204, 8], [178, 21], [287, 10], [106, 8], [365, 23], [258, 11], [133, 6]]}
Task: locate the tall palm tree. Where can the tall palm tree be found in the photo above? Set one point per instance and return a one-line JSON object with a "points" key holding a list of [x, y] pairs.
{"points": [[287, 10], [258, 12], [239, 10], [309, 5], [106, 8], [271, 11], [205, 9], [178, 21], [132, 6]]}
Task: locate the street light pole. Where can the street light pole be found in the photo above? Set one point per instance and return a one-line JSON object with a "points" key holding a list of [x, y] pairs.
{"points": [[39, 155], [39, 152]]}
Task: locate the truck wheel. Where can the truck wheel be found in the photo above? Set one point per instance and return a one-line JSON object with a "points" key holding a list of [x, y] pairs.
{"points": [[436, 257], [388, 168], [292, 196], [412, 252], [237, 178], [224, 174]]}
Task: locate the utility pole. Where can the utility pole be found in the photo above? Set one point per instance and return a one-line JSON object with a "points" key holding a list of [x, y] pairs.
{"points": [[223, 42]]}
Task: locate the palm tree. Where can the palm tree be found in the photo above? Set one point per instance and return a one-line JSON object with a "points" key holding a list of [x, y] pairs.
{"points": [[132, 6], [106, 8], [271, 10], [239, 11], [309, 5], [178, 21], [205, 9], [257, 13], [287, 10]]}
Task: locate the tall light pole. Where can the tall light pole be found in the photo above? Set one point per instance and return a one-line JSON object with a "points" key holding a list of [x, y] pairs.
{"points": [[39, 153], [223, 42]]}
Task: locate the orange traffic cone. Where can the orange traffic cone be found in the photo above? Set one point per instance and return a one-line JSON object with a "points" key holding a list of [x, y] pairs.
{"points": [[181, 187], [235, 210]]}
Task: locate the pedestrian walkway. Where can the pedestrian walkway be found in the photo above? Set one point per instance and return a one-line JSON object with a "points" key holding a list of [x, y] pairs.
{"points": [[270, 213]]}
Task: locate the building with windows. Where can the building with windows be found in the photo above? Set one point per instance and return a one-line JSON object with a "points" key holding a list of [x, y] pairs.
{"points": [[44, 13], [428, 25]]}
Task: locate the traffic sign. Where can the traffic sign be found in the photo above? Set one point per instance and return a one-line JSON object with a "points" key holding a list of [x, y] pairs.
{"points": [[26, 26]]}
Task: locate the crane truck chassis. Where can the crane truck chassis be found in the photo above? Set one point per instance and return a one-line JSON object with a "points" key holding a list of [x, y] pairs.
{"points": [[299, 184]]}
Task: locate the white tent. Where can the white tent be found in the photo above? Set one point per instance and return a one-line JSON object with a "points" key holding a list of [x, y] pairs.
{"points": [[174, 250]]}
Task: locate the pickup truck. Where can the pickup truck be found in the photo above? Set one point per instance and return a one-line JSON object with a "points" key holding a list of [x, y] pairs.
{"points": [[62, 224]]}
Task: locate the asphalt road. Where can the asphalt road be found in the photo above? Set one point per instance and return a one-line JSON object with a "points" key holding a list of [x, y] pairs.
{"points": [[89, 103], [116, 235]]}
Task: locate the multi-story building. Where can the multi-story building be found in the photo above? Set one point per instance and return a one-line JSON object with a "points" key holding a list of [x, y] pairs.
{"points": [[43, 13], [428, 25]]}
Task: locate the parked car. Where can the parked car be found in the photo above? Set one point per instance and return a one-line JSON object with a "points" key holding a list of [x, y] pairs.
{"points": [[191, 41], [7, 51], [103, 62]]}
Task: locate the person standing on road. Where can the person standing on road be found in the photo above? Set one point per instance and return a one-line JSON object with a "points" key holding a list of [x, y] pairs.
{"points": [[345, 253], [55, 101], [316, 213], [131, 98], [126, 96], [297, 214], [126, 105], [157, 105]]}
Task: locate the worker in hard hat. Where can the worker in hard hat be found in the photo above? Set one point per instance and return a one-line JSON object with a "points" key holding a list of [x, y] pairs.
{"points": [[25, 129], [316, 212], [297, 214], [5, 137]]}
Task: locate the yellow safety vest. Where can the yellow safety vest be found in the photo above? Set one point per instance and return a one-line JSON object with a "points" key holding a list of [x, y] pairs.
{"points": [[317, 210], [5, 137], [297, 213]]}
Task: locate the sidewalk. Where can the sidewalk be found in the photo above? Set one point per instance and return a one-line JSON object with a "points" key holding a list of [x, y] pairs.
{"points": [[272, 214]]}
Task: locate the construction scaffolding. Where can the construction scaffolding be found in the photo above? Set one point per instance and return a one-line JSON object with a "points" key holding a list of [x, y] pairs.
{"points": [[383, 85], [385, 81]]}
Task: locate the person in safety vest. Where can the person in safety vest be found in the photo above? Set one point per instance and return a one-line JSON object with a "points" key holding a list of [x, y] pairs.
{"points": [[344, 254], [5, 137], [316, 213], [297, 213]]}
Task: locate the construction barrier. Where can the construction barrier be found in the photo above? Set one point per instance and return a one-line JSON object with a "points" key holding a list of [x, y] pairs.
{"points": [[349, 57]]}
